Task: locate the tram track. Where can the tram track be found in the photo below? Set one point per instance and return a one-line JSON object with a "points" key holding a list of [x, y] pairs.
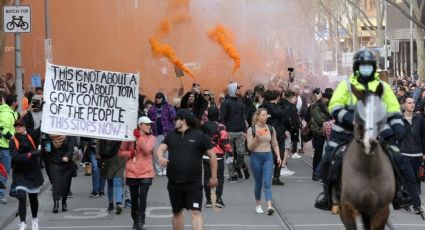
{"points": [[388, 225], [284, 220]]}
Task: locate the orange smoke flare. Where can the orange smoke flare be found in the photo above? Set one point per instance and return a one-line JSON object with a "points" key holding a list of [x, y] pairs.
{"points": [[165, 50], [223, 37], [181, 15]]}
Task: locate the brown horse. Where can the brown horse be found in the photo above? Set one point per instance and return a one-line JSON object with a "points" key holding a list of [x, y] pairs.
{"points": [[367, 182]]}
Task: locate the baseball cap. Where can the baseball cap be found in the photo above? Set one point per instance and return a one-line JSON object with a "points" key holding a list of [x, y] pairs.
{"points": [[144, 120]]}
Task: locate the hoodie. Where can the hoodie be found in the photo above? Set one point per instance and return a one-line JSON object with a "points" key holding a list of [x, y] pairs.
{"points": [[231, 89], [163, 114]]}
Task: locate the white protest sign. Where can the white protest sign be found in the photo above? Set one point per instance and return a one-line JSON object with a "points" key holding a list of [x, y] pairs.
{"points": [[90, 103]]}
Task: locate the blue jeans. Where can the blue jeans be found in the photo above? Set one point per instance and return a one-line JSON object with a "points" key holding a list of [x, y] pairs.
{"points": [[262, 168], [97, 182], [115, 190], [7, 161]]}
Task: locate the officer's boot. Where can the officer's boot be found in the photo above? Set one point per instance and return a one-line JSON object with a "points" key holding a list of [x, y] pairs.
{"points": [[323, 200]]}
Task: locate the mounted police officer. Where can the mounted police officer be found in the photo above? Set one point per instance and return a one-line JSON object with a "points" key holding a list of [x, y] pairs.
{"points": [[342, 105]]}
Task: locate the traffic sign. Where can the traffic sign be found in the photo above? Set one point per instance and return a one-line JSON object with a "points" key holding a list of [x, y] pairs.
{"points": [[17, 19]]}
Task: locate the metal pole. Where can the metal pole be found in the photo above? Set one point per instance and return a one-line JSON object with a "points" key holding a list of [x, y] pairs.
{"points": [[411, 40], [385, 35], [47, 40], [18, 65]]}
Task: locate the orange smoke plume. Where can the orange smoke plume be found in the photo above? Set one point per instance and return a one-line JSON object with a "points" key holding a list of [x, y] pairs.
{"points": [[180, 8], [160, 49], [224, 38]]}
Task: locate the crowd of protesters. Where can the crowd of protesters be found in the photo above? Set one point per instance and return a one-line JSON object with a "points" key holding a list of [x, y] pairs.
{"points": [[260, 125]]}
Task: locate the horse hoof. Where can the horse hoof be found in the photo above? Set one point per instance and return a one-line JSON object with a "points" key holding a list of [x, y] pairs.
{"points": [[335, 210]]}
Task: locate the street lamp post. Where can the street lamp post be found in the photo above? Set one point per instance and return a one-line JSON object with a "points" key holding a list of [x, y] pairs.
{"points": [[18, 64], [411, 39]]}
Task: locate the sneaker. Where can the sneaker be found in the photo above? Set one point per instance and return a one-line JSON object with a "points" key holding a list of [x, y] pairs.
{"points": [[94, 195], [286, 172], [259, 209], [119, 208], [127, 203], [276, 181], [35, 224], [3, 200], [219, 203], [208, 204], [296, 156], [160, 173], [164, 172], [407, 209], [270, 211], [22, 226], [70, 194], [101, 194], [233, 179], [240, 176], [110, 208], [418, 210], [315, 177]]}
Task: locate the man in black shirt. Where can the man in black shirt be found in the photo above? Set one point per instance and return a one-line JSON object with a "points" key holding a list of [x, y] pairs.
{"points": [[186, 146]]}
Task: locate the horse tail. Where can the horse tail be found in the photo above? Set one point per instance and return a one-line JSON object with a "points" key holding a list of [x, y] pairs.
{"points": [[366, 218]]}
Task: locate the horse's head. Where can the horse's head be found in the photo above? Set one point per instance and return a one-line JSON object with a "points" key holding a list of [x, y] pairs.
{"points": [[370, 116]]}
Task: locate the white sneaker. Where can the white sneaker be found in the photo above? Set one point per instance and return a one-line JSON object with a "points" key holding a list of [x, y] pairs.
{"points": [[160, 173], [259, 209], [286, 172], [296, 156], [35, 224], [22, 226], [164, 172]]}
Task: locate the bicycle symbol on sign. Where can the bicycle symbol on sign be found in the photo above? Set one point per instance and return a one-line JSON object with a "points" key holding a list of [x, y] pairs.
{"points": [[18, 22]]}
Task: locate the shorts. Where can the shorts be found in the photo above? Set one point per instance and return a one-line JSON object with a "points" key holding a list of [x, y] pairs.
{"points": [[185, 195]]}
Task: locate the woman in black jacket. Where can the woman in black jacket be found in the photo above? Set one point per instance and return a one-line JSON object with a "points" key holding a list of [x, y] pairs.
{"points": [[27, 176], [61, 149]]}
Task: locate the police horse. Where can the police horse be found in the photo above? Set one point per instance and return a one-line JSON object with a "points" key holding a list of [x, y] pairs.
{"points": [[367, 180]]}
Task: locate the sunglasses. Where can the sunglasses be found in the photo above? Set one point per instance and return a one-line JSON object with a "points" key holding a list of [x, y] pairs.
{"points": [[206, 94]]}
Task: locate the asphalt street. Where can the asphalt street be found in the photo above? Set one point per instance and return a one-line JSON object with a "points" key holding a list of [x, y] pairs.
{"points": [[293, 202]]}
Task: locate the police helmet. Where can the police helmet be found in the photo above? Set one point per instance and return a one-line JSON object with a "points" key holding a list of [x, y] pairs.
{"points": [[364, 57]]}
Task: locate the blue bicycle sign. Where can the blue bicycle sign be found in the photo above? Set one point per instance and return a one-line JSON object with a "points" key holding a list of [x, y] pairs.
{"points": [[17, 19], [18, 22]]}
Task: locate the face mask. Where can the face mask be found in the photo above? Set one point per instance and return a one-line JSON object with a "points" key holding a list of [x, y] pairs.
{"points": [[365, 70]]}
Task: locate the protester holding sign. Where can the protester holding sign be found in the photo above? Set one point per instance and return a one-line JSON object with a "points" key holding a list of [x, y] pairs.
{"points": [[61, 150], [139, 169], [112, 168]]}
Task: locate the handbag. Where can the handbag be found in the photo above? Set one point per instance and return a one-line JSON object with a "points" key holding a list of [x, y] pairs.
{"points": [[306, 133]]}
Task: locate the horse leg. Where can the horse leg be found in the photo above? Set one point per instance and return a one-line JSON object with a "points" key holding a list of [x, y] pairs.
{"points": [[379, 219], [348, 216], [366, 220]]}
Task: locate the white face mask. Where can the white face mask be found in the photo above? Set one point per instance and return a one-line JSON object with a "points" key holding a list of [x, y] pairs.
{"points": [[365, 70]]}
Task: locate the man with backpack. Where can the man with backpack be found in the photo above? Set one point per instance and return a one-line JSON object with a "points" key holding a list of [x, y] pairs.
{"points": [[219, 138]]}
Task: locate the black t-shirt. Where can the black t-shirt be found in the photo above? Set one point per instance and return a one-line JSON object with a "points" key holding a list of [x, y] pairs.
{"points": [[185, 151]]}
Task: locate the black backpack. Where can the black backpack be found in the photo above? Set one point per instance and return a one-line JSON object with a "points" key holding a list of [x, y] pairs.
{"points": [[269, 126]]}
